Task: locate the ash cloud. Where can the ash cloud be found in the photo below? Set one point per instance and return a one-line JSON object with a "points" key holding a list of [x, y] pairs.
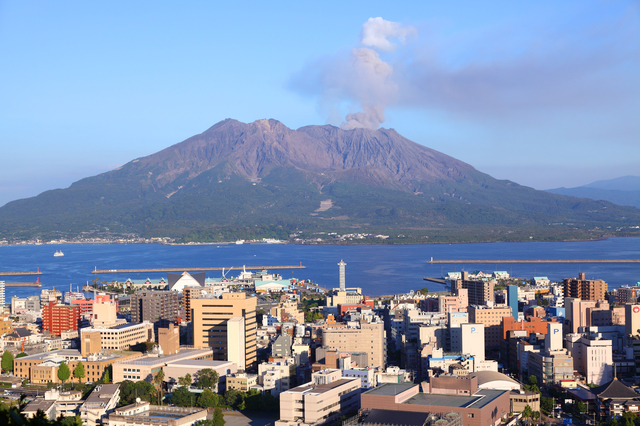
{"points": [[522, 71]]}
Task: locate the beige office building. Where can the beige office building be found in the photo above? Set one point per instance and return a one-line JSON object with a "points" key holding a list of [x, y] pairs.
{"points": [[369, 338], [117, 338], [632, 320], [211, 325], [491, 317], [328, 395]]}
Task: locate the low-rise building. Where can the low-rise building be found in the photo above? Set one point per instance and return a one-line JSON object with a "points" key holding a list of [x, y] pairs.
{"points": [[146, 367], [319, 401], [100, 402], [145, 414]]}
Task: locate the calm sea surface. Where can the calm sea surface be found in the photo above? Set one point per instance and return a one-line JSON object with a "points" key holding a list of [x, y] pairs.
{"points": [[378, 269]]}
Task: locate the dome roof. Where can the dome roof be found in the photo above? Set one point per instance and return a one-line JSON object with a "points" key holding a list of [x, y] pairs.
{"points": [[495, 380]]}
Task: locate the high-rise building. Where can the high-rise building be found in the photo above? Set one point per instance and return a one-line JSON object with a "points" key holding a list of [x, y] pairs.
{"points": [[480, 291], [59, 318], [491, 317], [2, 295], [210, 323], [512, 299], [632, 320], [368, 338], [188, 294], [584, 289], [157, 307]]}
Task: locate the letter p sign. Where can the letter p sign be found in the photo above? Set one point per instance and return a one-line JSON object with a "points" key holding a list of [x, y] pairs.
{"points": [[473, 329]]}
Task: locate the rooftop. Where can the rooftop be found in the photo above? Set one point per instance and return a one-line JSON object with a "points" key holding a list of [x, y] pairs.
{"points": [[392, 417], [317, 389], [390, 389], [164, 359], [477, 400], [75, 354], [38, 404]]}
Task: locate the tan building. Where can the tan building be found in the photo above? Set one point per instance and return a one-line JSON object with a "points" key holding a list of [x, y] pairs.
{"points": [[43, 368], [491, 317], [117, 338], [328, 395], [188, 294], [520, 399], [368, 338], [146, 367], [169, 339], [584, 289], [105, 314], [288, 308], [210, 318], [242, 381], [351, 296]]}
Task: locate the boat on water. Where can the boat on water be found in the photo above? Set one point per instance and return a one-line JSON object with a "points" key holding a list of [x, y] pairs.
{"points": [[58, 253], [238, 242]]}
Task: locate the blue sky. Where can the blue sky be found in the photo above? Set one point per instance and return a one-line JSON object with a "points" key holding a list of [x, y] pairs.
{"points": [[546, 94]]}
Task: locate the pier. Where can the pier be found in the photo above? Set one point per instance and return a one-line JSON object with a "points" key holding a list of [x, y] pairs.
{"points": [[21, 273], [34, 284], [235, 268], [538, 261]]}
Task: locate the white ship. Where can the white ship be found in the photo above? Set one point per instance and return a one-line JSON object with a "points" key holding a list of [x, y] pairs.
{"points": [[240, 242], [58, 253]]}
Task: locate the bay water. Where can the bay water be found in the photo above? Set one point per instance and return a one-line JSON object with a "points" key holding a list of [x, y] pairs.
{"points": [[377, 269]]}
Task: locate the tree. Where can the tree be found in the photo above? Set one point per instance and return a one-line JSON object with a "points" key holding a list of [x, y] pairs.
{"points": [[546, 404], [22, 355], [106, 378], [185, 381], [628, 418], [232, 398], [158, 380], [208, 379], [527, 412], [78, 372], [533, 380], [182, 397], [218, 417], [536, 415], [208, 399], [142, 389], [63, 372], [7, 361], [581, 407]]}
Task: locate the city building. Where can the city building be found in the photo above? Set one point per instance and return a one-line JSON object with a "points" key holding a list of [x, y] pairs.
{"points": [[613, 399], [211, 327], [478, 407], [480, 292], [584, 289], [158, 307], [323, 399], [58, 318], [364, 337], [145, 414], [173, 370], [512, 300], [99, 404], [145, 367], [42, 368], [188, 294], [532, 325], [242, 381], [118, 338], [593, 358], [491, 317]]}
